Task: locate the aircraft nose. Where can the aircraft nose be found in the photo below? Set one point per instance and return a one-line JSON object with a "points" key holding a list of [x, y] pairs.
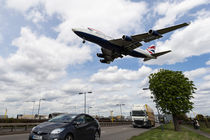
{"points": [[73, 29]]}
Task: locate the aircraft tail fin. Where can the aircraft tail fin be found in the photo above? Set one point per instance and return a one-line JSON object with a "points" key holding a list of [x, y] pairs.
{"points": [[151, 49], [160, 53]]}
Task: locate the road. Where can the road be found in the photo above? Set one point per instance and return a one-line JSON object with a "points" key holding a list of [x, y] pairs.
{"points": [[108, 133]]}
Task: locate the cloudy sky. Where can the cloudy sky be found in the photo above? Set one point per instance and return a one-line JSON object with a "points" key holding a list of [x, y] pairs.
{"points": [[40, 56]]}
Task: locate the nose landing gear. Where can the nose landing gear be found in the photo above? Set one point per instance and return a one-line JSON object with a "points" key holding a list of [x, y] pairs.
{"points": [[83, 41]]}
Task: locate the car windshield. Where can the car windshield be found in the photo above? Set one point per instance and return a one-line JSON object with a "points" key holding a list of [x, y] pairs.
{"points": [[138, 113], [63, 118]]}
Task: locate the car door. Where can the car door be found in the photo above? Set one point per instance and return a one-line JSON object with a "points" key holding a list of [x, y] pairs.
{"points": [[81, 129], [90, 127]]}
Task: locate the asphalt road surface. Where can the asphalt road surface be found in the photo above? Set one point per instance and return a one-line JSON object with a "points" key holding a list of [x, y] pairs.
{"points": [[108, 133]]}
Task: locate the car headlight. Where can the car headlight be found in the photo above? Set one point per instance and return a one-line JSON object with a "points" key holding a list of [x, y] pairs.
{"points": [[33, 129], [57, 130]]}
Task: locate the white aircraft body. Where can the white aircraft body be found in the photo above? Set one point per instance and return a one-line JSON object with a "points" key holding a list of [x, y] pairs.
{"points": [[114, 48]]}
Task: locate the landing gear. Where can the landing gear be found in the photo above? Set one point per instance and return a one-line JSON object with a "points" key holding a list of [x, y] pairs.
{"points": [[83, 41]]}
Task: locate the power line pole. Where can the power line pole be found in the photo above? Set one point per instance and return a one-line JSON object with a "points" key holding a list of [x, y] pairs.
{"points": [[120, 108]]}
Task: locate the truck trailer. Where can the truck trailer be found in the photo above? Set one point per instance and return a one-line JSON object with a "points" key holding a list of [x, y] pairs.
{"points": [[142, 116]]}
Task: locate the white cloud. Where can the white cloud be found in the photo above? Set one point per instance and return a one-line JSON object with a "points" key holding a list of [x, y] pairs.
{"points": [[22, 5], [75, 86], [114, 88], [207, 77], [35, 15], [41, 52], [172, 11], [1, 38], [205, 86], [112, 74], [112, 17], [208, 62], [194, 74]]}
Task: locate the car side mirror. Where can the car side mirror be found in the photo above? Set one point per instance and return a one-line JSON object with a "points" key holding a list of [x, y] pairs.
{"points": [[76, 123]]}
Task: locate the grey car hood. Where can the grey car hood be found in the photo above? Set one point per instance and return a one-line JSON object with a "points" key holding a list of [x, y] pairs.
{"points": [[47, 127]]}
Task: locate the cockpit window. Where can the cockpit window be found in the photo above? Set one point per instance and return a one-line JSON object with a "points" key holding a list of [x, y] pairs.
{"points": [[90, 29], [99, 33], [96, 31]]}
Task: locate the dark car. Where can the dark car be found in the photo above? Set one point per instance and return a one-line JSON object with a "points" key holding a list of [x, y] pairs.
{"points": [[67, 127]]}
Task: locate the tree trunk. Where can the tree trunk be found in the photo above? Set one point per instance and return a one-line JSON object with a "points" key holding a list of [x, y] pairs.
{"points": [[176, 124], [206, 122]]}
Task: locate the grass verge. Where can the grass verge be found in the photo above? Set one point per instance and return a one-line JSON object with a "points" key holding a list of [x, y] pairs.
{"points": [[169, 134], [202, 128]]}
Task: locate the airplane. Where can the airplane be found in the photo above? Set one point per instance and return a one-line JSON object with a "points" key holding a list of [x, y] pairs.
{"points": [[127, 45]]}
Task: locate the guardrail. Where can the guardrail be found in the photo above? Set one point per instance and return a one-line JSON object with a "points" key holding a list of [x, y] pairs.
{"points": [[17, 128], [109, 124]]}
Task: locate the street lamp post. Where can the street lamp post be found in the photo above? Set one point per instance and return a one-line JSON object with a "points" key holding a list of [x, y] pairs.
{"points": [[120, 108], [33, 106], [111, 113], [75, 109], [89, 108], [85, 99], [40, 104]]}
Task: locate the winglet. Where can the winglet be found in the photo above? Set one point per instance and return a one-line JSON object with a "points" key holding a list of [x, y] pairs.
{"points": [[188, 23]]}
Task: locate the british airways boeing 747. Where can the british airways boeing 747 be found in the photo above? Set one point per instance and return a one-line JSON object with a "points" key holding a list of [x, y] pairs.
{"points": [[114, 48]]}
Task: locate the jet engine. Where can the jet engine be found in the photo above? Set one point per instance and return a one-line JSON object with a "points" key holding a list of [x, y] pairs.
{"points": [[127, 38], [103, 61], [154, 33], [100, 55]]}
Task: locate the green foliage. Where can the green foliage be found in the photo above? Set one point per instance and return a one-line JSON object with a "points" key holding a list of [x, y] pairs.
{"points": [[182, 117], [169, 134], [172, 91]]}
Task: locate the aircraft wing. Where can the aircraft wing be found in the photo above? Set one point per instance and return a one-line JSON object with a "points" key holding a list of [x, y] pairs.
{"points": [[128, 45], [109, 56], [156, 34], [134, 41]]}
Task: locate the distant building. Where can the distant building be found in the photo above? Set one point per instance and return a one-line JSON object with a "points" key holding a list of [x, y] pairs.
{"points": [[52, 115], [21, 116], [3, 116]]}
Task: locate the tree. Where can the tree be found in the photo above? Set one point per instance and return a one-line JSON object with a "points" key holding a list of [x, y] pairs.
{"points": [[172, 92]]}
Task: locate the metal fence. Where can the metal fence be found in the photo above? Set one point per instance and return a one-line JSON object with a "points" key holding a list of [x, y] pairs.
{"points": [[18, 128]]}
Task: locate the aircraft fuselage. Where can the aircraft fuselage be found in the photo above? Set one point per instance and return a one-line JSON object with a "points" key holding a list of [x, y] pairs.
{"points": [[103, 41]]}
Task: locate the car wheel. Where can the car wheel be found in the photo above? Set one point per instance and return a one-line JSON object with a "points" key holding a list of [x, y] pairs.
{"points": [[69, 137], [97, 136]]}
